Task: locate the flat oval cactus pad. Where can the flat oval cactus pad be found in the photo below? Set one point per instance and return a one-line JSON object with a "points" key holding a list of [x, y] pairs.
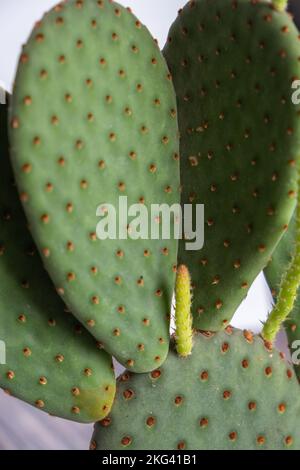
{"points": [[233, 65], [231, 393], [46, 358], [94, 119]]}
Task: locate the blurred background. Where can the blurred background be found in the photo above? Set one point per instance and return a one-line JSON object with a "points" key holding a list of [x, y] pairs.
{"points": [[21, 426]]}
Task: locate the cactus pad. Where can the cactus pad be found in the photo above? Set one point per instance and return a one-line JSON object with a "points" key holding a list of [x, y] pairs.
{"points": [[231, 393], [233, 63], [51, 362], [94, 118]]}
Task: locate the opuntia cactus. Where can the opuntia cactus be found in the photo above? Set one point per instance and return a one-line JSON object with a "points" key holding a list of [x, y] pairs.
{"points": [[51, 362], [231, 393], [94, 118], [233, 64]]}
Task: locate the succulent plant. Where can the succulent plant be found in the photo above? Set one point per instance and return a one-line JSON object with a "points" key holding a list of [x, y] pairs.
{"points": [[233, 64], [231, 389], [231, 393], [94, 118], [51, 362]]}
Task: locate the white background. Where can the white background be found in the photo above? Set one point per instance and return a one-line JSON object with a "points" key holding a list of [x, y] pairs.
{"points": [[21, 426]]}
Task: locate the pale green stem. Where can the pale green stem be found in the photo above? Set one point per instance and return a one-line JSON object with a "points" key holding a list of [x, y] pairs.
{"points": [[288, 288], [280, 4], [183, 316]]}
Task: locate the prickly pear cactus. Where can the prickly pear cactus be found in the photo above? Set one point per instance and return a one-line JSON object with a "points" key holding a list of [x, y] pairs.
{"points": [[233, 63], [231, 393], [51, 362], [279, 262], [93, 119]]}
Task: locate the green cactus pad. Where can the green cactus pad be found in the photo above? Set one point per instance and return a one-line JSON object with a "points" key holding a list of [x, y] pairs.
{"points": [[51, 362], [94, 118], [233, 64], [232, 393], [278, 264]]}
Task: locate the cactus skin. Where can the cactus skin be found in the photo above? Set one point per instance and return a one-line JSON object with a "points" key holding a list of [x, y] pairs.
{"points": [[231, 393], [232, 64], [279, 262], [51, 362], [94, 118]]}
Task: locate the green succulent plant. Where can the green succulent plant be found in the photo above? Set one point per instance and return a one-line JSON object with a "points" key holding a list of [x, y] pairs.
{"points": [[96, 114], [233, 64], [231, 393], [51, 362]]}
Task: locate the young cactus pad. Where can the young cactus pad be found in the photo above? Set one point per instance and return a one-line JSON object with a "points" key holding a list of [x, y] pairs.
{"points": [[47, 359], [279, 263], [93, 119], [231, 393], [279, 4], [289, 284], [233, 63], [183, 317]]}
